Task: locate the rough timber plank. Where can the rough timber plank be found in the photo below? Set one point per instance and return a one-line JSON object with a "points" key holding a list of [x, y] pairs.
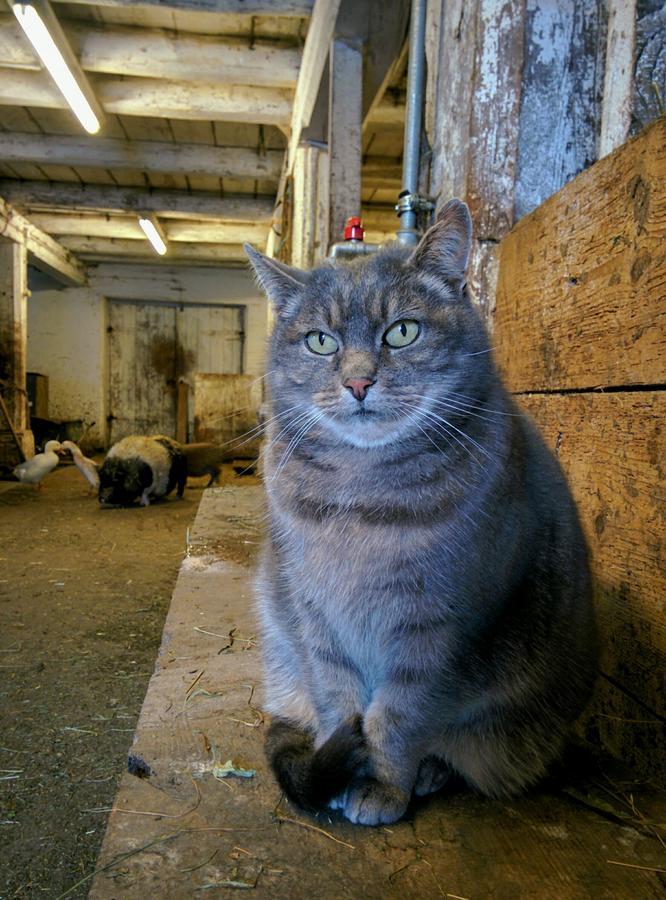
{"points": [[493, 146], [581, 295], [612, 448], [146, 155], [46, 254], [540, 846], [560, 104]]}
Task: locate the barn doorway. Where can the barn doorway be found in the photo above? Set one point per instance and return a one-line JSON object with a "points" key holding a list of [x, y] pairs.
{"points": [[152, 346]]}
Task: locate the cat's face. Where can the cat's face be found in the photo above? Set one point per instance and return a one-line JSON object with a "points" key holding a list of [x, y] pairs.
{"points": [[371, 351]]}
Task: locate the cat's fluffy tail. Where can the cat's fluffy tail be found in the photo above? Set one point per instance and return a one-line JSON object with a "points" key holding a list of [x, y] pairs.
{"points": [[309, 777]]}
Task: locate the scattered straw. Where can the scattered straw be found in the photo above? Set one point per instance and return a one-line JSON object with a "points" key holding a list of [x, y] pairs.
{"points": [[202, 864], [211, 633], [114, 862], [279, 817], [161, 815], [615, 862], [188, 691]]}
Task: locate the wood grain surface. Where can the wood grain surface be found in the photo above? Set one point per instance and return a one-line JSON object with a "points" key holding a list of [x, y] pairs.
{"points": [[581, 296]]}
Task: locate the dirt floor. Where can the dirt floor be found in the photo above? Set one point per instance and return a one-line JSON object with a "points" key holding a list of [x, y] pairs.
{"points": [[83, 597]]}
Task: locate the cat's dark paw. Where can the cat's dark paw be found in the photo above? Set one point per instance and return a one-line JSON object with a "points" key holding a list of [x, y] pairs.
{"points": [[370, 802], [432, 775]]}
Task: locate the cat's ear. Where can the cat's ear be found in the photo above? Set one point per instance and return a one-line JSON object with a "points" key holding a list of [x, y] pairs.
{"points": [[444, 248], [281, 283]]}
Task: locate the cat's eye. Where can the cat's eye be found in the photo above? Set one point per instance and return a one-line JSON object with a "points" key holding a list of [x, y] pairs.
{"points": [[402, 333], [321, 343]]}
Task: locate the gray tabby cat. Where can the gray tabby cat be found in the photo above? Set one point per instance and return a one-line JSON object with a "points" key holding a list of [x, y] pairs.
{"points": [[424, 593]]}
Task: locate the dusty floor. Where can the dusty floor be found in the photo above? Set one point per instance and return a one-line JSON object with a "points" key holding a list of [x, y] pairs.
{"points": [[179, 827], [83, 599], [83, 596]]}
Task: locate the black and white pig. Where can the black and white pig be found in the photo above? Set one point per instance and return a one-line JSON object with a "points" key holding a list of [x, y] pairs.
{"points": [[144, 467]]}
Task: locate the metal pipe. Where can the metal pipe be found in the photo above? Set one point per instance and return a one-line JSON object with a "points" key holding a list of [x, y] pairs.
{"points": [[351, 248], [407, 233]]}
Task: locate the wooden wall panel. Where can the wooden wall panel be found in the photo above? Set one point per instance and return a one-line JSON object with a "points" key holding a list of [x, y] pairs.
{"points": [[562, 86], [613, 450], [581, 296]]}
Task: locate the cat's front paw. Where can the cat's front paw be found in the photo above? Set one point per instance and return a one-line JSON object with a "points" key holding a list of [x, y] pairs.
{"points": [[432, 775], [370, 802]]}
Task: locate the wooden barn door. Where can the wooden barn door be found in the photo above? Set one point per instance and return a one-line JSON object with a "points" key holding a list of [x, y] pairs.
{"points": [[153, 345]]}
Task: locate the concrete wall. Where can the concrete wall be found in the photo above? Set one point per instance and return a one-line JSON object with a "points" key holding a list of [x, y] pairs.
{"points": [[67, 337], [66, 341]]}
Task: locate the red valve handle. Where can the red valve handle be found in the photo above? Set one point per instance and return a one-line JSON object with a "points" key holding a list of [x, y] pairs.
{"points": [[354, 229]]}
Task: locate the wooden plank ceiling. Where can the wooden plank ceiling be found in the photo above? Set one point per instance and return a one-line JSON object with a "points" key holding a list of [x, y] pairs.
{"points": [[198, 105]]}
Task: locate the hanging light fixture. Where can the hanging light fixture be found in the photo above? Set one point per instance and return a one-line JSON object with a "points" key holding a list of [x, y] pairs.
{"points": [[49, 42], [151, 228]]}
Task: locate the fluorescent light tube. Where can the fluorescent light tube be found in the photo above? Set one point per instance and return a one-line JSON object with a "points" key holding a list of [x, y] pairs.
{"points": [[153, 236], [45, 47]]}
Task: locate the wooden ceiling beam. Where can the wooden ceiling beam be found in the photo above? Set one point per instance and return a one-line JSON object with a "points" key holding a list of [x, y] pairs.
{"points": [[146, 156], [108, 248], [42, 195], [91, 225], [315, 56], [158, 53], [193, 101], [45, 253], [297, 8]]}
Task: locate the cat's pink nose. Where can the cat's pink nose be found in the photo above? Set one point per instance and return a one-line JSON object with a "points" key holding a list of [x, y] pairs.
{"points": [[359, 386]]}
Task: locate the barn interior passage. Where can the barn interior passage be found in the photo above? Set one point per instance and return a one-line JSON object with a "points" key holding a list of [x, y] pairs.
{"points": [[272, 122]]}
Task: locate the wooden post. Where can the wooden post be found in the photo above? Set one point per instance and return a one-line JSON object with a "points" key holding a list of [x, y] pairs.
{"points": [[14, 340], [309, 223], [344, 135], [619, 75]]}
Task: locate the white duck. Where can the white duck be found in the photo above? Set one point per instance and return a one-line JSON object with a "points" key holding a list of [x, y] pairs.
{"points": [[87, 467], [33, 470]]}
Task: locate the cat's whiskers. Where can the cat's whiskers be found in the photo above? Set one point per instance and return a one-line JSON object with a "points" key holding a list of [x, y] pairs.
{"points": [[478, 404], [234, 412], [295, 441], [257, 430], [295, 420], [434, 417], [459, 409], [479, 352]]}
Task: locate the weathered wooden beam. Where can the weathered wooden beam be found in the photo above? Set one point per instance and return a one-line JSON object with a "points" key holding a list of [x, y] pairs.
{"points": [[193, 101], [310, 213], [611, 447], [560, 109], [46, 253], [298, 8], [13, 342], [619, 75], [147, 156], [65, 196], [582, 284], [315, 55], [52, 24], [378, 109], [15, 50], [158, 53], [389, 111], [344, 136], [116, 226], [380, 217], [382, 171], [98, 248]]}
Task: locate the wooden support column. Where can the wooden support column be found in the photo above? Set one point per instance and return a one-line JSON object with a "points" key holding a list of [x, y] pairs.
{"points": [[619, 75], [344, 135], [309, 241], [14, 348]]}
